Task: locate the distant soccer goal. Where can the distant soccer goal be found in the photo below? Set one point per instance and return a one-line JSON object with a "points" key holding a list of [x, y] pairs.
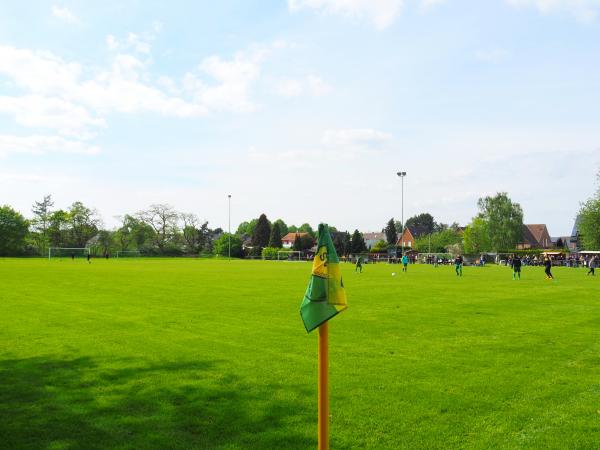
{"points": [[289, 255], [68, 252], [128, 254]]}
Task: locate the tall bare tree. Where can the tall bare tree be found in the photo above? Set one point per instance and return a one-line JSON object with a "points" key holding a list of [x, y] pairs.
{"points": [[162, 218]]}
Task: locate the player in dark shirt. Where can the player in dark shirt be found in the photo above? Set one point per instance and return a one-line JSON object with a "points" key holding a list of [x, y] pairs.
{"points": [[548, 268], [516, 265], [458, 264]]}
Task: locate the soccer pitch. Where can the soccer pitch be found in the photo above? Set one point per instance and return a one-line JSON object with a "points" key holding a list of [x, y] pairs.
{"points": [[185, 353]]}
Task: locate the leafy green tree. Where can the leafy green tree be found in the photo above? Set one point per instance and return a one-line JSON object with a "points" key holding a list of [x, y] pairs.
{"points": [[83, 224], [105, 241], [358, 243], [283, 228], [504, 220], [380, 246], [560, 243], [423, 221], [391, 234], [58, 229], [439, 241], [247, 228], [477, 237], [162, 218], [306, 228], [275, 238], [292, 229], [221, 246], [40, 223], [262, 233], [13, 232], [589, 223]]}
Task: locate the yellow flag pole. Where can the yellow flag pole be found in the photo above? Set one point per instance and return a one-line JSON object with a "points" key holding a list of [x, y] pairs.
{"points": [[323, 387]]}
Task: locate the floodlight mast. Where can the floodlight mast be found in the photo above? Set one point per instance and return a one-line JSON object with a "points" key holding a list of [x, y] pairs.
{"points": [[402, 175], [229, 227]]}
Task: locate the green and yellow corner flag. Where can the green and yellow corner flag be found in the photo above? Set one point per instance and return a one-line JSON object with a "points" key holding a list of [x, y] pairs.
{"points": [[325, 296]]}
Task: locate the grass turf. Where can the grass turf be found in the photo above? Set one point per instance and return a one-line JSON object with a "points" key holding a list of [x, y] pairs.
{"points": [[179, 353]]}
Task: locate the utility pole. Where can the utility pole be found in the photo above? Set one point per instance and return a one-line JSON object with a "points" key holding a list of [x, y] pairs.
{"points": [[402, 175]]}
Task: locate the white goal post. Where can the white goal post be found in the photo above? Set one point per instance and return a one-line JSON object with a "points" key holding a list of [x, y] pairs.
{"points": [[65, 252], [289, 255], [128, 254]]}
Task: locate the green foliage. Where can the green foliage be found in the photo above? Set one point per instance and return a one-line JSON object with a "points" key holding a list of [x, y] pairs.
{"points": [[358, 243], [341, 242], [270, 252], [247, 228], [303, 242], [283, 228], [221, 246], [423, 222], [306, 228], [504, 220], [391, 234], [13, 232], [379, 247], [477, 237], [83, 224], [589, 224], [262, 233], [275, 238], [440, 241]]}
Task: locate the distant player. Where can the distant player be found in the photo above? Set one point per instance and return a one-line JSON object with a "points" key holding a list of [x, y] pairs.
{"points": [[72, 256], [106, 255], [516, 266], [89, 258], [358, 264], [548, 268], [458, 264], [592, 266], [404, 263]]}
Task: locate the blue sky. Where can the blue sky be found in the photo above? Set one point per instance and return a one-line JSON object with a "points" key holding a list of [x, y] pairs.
{"points": [[302, 109]]}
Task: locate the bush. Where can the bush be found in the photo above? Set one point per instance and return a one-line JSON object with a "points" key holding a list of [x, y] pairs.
{"points": [[270, 252], [221, 246]]}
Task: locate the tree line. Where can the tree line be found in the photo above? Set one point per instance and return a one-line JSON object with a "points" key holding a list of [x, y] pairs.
{"points": [[161, 230]]}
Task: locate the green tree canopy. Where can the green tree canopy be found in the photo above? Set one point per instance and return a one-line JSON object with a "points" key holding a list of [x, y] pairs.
{"points": [[358, 243], [221, 246], [283, 228], [391, 234], [13, 231], [306, 228], [504, 220], [477, 237], [589, 222], [262, 233], [275, 238], [423, 222]]}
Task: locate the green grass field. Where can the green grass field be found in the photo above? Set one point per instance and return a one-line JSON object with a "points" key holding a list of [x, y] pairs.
{"points": [[176, 353]]}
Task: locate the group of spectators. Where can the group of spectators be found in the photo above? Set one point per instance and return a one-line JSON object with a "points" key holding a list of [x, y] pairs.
{"points": [[587, 261]]}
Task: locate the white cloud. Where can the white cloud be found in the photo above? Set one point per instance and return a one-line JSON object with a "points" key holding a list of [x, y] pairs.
{"points": [[232, 79], [65, 14], [36, 111], [311, 84], [492, 55], [111, 42], [381, 13], [582, 10], [356, 138], [39, 145]]}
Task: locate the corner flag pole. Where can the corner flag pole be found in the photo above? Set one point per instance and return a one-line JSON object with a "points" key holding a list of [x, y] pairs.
{"points": [[323, 387]]}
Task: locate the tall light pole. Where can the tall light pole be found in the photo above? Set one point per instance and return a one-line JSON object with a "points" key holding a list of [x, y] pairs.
{"points": [[402, 175], [229, 226]]}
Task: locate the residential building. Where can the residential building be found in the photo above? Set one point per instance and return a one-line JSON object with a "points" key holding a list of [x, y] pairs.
{"points": [[289, 239]]}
